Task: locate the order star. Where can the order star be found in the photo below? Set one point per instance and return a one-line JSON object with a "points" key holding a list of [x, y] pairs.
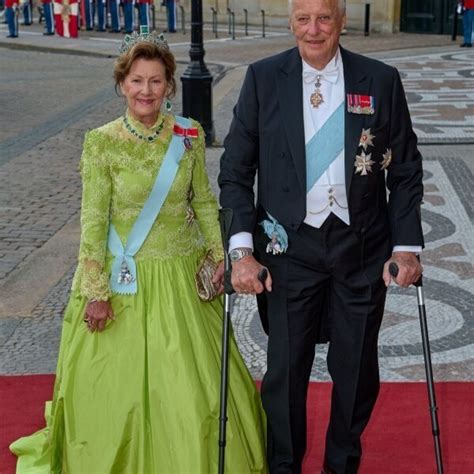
{"points": [[366, 138], [363, 163], [387, 159]]}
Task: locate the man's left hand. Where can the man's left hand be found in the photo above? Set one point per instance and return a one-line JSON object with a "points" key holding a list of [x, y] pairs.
{"points": [[409, 269]]}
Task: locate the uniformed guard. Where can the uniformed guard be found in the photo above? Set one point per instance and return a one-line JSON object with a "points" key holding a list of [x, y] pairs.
{"points": [[89, 14], [144, 12], [27, 13], [128, 15], [11, 17], [171, 15], [48, 17], [114, 16], [101, 14]]}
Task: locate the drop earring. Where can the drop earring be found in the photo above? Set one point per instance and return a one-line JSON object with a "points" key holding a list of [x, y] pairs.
{"points": [[168, 106]]}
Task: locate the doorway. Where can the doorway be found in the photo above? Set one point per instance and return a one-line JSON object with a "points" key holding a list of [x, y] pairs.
{"points": [[428, 16]]}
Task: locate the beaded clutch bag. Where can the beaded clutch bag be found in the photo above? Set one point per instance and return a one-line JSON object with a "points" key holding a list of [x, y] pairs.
{"points": [[206, 290]]}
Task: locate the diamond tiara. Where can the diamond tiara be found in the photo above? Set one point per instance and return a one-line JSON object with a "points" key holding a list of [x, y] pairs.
{"points": [[145, 36]]}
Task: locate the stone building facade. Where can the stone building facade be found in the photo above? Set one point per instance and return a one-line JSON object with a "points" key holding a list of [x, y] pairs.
{"points": [[384, 14]]}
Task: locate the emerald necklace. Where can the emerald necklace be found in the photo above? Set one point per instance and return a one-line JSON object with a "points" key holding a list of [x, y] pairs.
{"points": [[147, 138]]}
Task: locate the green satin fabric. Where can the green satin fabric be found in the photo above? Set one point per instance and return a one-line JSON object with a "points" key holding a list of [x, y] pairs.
{"points": [[143, 396]]}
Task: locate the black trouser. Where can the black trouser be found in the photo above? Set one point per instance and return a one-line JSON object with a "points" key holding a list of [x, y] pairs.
{"points": [[323, 266]]}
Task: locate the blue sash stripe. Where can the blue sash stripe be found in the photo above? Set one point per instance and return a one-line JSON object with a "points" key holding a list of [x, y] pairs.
{"points": [[147, 217], [324, 147], [121, 255]]}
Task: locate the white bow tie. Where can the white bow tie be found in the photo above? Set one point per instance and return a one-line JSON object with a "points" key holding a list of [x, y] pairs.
{"points": [[310, 76]]}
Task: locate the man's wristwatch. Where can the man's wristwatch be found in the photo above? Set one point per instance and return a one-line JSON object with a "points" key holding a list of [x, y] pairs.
{"points": [[240, 252]]}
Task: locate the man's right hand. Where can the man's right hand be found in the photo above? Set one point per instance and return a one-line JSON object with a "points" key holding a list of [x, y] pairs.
{"points": [[245, 276]]}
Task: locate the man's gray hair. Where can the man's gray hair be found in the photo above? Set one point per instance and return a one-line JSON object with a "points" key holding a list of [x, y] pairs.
{"points": [[341, 4]]}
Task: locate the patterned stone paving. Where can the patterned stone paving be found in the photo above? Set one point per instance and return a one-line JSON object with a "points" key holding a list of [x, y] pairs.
{"points": [[440, 92]]}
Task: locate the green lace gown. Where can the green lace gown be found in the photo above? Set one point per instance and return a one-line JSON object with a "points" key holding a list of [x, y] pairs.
{"points": [[143, 395]]}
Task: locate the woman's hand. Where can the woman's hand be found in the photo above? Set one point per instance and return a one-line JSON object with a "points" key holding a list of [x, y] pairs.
{"points": [[97, 313], [218, 278]]}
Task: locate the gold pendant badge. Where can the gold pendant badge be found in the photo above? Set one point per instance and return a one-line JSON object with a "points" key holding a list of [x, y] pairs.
{"points": [[317, 98]]}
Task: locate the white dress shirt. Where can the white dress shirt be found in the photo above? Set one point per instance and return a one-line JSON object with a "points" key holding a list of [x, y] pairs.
{"points": [[328, 194]]}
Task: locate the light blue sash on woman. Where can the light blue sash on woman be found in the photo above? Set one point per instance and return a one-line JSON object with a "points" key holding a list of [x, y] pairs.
{"points": [[123, 278]]}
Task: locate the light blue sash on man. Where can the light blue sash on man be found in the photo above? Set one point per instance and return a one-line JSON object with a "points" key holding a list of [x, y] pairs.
{"points": [[324, 147], [123, 278]]}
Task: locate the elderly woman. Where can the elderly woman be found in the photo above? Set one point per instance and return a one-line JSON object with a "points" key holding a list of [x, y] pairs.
{"points": [[137, 384]]}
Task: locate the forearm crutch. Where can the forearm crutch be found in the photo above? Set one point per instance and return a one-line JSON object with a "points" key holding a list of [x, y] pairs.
{"points": [[225, 221], [393, 270]]}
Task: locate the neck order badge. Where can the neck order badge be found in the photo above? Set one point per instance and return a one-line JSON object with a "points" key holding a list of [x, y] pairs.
{"points": [[312, 75], [316, 97]]}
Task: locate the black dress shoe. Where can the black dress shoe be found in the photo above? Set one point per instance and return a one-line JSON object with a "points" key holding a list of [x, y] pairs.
{"points": [[12, 36], [466, 45], [48, 33]]}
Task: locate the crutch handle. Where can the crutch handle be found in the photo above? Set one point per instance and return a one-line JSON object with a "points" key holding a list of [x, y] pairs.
{"points": [[393, 270], [229, 289], [225, 221], [262, 275]]}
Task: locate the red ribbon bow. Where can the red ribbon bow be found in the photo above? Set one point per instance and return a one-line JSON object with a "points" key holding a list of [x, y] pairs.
{"points": [[185, 132]]}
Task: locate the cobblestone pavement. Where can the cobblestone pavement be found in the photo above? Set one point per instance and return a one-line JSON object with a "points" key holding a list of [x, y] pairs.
{"points": [[48, 110], [441, 95]]}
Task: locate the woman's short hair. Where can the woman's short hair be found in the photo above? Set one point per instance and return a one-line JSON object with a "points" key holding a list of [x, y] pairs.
{"points": [[148, 51]]}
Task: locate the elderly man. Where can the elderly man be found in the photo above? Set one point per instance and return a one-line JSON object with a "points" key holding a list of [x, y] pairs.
{"points": [[328, 132]]}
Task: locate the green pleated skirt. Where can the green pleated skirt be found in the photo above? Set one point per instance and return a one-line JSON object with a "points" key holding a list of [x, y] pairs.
{"points": [[143, 395]]}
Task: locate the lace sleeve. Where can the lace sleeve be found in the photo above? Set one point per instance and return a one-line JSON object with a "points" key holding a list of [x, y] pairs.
{"points": [[204, 202], [96, 195]]}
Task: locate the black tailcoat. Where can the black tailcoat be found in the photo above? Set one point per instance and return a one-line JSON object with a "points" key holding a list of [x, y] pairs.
{"points": [[267, 133]]}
